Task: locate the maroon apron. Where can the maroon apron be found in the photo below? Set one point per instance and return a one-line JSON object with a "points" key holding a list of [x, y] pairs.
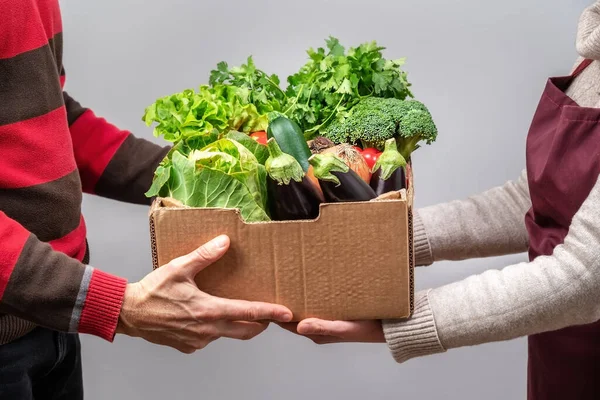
{"points": [[563, 163]]}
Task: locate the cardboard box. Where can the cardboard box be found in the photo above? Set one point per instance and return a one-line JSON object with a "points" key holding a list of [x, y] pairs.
{"points": [[355, 261]]}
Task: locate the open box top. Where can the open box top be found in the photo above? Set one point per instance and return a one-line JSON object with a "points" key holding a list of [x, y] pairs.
{"points": [[355, 261]]}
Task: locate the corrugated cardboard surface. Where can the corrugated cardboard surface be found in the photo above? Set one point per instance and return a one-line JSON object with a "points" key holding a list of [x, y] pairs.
{"points": [[353, 262]]}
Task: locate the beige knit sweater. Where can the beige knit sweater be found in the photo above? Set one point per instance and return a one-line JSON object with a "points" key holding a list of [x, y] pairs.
{"points": [[549, 293]]}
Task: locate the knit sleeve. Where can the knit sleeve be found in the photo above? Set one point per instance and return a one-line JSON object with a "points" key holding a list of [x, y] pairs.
{"points": [[491, 223], [53, 290], [546, 294], [112, 163]]}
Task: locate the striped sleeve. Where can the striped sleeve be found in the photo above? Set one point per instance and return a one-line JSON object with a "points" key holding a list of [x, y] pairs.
{"points": [[112, 163], [53, 290]]}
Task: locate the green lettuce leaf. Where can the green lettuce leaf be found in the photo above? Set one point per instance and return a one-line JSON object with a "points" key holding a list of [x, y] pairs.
{"points": [[224, 174], [161, 177], [260, 151], [193, 116], [237, 161], [184, 115]]}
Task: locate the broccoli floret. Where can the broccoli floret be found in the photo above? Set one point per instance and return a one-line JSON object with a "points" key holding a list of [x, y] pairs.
{"points": [[415, 126], [370, 122], [338, 131], [374, 120]]}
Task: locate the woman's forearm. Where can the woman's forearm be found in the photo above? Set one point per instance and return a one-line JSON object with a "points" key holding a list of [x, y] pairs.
{"points": [[549, 293], [488, 224]]}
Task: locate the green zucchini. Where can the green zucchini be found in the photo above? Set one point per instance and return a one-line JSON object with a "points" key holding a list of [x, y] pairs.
{"points": [[290, 139]]}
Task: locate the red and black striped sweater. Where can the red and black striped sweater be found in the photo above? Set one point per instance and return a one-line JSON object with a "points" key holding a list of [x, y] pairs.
{"points": [[52, 151]]}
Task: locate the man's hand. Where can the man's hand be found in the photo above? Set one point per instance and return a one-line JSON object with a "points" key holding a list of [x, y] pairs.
{"points": [[166, 307], [324, 332]]}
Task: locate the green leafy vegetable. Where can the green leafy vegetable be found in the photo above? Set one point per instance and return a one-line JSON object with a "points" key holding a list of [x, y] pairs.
{"points": [[236, 160], [352, 95], [260, 151], [184, 115], [192, 117], [333, 81], [224, 174], [255, 86]]}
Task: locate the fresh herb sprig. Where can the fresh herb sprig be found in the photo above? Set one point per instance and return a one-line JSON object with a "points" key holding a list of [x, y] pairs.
{"points": [[255, 86], [333, 81]]}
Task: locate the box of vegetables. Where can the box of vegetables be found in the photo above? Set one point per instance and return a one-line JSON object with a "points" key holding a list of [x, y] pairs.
{"points": [[312, 182]]}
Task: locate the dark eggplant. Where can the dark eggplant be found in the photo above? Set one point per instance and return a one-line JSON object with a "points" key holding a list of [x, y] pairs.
{"points": [[292, 196], [394, 183], [389, 173], [338, 182], [293, 201]]}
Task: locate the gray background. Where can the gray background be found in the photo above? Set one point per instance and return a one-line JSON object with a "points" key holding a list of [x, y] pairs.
{"points": [[479, 65]]}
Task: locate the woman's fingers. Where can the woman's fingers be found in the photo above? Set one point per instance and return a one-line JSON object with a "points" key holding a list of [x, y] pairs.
{"points": [[321, 331], [314, 326], [241, 330]]}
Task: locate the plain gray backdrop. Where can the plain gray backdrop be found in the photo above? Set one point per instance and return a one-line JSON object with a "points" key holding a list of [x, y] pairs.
{"points": [[479, 65]]}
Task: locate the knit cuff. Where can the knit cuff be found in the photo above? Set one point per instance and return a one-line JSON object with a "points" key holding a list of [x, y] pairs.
{"points": [[422, 247], [102, 306], [416, 336]]}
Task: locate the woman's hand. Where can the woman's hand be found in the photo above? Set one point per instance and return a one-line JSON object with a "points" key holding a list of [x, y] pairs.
{"points": [[324, 332], [166, 307]]}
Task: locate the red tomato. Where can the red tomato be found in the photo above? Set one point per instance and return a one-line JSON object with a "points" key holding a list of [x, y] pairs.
{"points": [[371, 155], [260, 137]]}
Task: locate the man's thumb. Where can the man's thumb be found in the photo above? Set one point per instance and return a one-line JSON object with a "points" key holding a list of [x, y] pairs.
{"points": [[205, 255]]}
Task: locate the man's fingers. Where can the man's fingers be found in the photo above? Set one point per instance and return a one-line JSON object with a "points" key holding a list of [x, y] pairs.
{"points": [[238, 310], [194, 262]]}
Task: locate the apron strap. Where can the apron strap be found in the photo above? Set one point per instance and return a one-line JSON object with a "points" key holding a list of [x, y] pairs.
{"points": [[584, 64]]}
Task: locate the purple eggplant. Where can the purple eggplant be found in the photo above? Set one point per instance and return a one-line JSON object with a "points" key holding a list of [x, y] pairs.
{"points": [[388, 174], [292, 196], [338, 182], [395, 182]]}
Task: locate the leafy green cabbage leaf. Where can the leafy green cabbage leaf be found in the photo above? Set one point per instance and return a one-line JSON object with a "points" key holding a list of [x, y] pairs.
{"points": [[223, 174]]}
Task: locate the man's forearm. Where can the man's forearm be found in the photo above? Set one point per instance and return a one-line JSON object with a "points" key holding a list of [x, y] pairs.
{"points": [[52, 289], [112, 162]]}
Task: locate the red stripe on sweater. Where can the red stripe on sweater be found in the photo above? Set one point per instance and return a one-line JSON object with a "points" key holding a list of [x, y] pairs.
{"points": [[95, 142], [102, 306], [36, 151], [27, 25], [12, 239], [72, 244]]}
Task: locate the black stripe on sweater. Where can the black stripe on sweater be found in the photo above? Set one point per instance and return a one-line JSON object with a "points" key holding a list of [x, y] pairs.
{"points": [[74, 109], [129, 173], [30, 83], [49, 210], [43, 286]]}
